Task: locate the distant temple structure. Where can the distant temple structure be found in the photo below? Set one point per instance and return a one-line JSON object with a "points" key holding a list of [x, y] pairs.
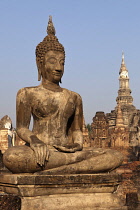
{"points": [[121, 127], [85, 132], [124, 99], [99, 127], [8, 136], [5, 133], [119, 134]]}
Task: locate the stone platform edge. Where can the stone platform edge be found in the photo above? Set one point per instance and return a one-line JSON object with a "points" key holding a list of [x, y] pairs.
{"points": [[29, 185]]}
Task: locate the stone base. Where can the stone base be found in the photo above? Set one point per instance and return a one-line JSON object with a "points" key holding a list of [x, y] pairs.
{"points": [[87, 201], [71, 192]]}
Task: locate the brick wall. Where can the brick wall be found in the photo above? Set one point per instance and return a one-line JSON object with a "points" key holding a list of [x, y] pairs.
{"points": [[3, 140]]}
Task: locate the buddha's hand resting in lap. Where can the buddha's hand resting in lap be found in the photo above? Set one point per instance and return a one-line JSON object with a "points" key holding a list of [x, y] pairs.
{"points": [[68, 148], [41, 150]]}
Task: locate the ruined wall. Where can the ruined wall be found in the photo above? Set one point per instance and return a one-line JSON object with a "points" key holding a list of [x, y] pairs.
{"points": [[3, 140]]}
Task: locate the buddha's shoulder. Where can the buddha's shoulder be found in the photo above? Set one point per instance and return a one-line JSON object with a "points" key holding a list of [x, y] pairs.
{"points": [[73, 94], [28, 90]]}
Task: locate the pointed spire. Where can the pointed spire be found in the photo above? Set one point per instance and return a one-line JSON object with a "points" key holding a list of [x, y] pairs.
{"points": [[123, 66], [50, 27], [123, 58]]}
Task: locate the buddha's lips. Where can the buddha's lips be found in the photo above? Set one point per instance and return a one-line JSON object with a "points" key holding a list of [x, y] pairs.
{"points": [[57, 74]]}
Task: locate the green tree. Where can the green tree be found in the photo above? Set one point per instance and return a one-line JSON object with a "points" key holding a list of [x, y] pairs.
{"points": [[88, 126]]}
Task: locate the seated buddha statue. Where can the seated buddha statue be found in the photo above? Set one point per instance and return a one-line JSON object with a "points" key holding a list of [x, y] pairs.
{"points": [[55, 144]]}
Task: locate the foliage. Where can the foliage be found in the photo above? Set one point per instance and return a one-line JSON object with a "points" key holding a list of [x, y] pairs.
{"points": [[88, 126]]}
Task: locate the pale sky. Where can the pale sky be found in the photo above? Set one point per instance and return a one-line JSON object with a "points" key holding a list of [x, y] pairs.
{"points": [[94, 34]]}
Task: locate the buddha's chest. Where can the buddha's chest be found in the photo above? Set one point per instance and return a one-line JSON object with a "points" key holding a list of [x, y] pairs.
{"points": [[53, 104]]}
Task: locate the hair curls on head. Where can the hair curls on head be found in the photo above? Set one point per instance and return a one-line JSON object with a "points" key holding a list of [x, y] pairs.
{"points": [[50, 42]]}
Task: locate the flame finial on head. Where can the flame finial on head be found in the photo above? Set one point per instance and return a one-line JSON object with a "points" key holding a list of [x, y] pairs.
{"points": [[50, 27]]}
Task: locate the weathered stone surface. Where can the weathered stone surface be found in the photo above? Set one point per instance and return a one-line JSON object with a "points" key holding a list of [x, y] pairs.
{"points": [[37, 185], [5, 123], [71, 191], [99, 131], [96, 201], [3, 140]]}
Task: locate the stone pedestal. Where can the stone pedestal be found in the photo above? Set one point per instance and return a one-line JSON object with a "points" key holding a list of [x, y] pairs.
{"points": [[71, 192]]}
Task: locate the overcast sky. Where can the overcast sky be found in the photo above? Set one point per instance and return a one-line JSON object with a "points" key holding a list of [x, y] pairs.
{"points": [[94, 34]]}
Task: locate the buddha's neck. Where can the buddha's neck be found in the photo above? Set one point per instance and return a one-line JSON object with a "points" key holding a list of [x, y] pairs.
{"points": [[51, 86]]}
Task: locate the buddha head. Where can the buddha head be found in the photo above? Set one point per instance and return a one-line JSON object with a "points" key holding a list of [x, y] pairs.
{"points": [[50, 56]]}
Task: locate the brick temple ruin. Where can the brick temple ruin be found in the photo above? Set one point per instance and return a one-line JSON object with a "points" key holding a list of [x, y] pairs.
{"points": [[8, 135]]}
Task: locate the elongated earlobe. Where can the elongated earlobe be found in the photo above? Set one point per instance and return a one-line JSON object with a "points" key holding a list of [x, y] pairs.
{"points": [[39, 69], [39, 75]]}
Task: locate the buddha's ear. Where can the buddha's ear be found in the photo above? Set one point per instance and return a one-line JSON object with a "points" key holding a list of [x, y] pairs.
{"points": [[39, 74], [39, 69]]}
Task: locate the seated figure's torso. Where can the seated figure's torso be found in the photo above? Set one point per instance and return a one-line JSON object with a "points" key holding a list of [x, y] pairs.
{"points": [[51, 112]]}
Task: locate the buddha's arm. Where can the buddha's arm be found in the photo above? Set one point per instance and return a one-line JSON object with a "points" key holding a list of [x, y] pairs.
{"points": [[77, 125], [23, 113], [23, 116]]}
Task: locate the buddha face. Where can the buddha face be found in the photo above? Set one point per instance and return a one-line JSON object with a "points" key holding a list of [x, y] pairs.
{"points": [[53, 66]]}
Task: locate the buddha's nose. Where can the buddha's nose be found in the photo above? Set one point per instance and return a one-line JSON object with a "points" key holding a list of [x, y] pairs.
{"points": [[58, 67]]}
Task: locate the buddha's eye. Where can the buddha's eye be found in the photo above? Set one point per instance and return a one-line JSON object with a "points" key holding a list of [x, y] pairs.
{"points": [[62, 62], [52, 60]]}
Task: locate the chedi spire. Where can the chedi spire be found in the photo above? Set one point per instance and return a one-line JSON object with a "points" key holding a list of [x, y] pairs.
{"points": [[123, 58], [123, 66]]}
